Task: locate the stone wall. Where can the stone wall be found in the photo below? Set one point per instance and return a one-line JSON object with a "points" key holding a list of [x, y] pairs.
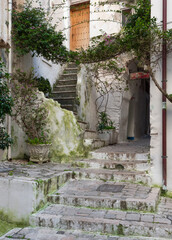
{"points": [[65, 134]]}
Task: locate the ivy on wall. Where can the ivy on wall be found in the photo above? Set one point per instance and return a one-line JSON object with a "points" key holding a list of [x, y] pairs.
{"points": [[6, 104]]}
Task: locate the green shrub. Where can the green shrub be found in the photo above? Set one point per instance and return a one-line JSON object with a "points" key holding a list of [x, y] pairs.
{"points": [[6, 103], [43, 85]]}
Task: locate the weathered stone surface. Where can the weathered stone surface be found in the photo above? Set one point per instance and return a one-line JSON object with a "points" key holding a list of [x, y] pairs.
{"points": [[104, 221], [84, 193], [53, 234]]}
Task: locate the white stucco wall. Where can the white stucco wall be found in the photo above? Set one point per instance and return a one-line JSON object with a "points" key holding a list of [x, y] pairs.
{"points": [[4, 17], [104, 18], [156, 109], [93, 100]]}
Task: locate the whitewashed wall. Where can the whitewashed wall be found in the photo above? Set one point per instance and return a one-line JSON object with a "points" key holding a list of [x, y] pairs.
{"points": [[156, 109], [104, 18]]}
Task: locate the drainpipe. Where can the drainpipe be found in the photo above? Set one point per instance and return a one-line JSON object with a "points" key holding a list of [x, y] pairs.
{"points": [[9, 69], [164, 108]]}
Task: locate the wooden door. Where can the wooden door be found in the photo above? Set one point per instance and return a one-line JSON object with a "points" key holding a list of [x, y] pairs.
{"points": [[80, 21]]}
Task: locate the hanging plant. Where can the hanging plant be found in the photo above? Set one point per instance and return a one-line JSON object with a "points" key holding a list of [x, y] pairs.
{"points": [[32, 31]]}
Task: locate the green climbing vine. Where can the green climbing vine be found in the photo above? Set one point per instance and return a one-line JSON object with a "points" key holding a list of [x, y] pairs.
{"points": [[6, 104], [141, 37], [32, 32]]}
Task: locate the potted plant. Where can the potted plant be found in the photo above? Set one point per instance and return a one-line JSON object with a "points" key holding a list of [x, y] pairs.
{"points": [[106, 129], [31, 115]]}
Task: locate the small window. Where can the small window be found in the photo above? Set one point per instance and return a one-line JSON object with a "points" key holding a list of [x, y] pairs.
{"points": [[125, 14]]}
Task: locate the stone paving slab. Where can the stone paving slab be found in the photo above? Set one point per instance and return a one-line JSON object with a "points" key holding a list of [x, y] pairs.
{"points": [[104, 221], [140, 165], [165, 206], [62, 210], [25, 170], [47, 171], [137, 146], [113, 175], [53, 234], [88, 193]]}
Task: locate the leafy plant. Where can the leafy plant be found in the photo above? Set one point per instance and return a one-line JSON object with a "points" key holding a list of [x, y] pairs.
{"points": [[43, 85], [105, 122], [6, 103], [32, 32], [29, 111]]}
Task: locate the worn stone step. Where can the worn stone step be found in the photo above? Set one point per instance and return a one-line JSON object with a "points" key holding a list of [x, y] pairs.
{"points": [[165, 206], [113, 175], [89, 134], [72, 65], [69, 76], [103, 221], [65, 100], [66, 82], [41, 233], [94, 143], [59, 94], [70, 70], [69, 107], [97, 194], [59, 88], [140, 165], [83, 125], [119, 156]]}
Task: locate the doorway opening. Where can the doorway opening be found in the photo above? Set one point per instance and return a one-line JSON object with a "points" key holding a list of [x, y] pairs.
{"points": [[80, 26]]}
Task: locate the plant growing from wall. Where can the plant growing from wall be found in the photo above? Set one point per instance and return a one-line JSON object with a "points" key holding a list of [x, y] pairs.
{"points": [[104, 122], [29, 111], [6, 104]]}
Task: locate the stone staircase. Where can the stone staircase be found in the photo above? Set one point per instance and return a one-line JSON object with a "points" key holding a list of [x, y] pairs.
{"points": [[65, 93], [103, 201], [65, 90]]}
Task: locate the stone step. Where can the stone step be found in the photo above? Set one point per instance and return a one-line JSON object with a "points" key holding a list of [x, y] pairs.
{"points": [[69, 107], [118, 156], [89, 134], [140, 165], [59, 88], [41, 233], [69, 76], [72, 65], [103, 221], [83, 125], [165, 206], [66, 82], [70, 70], [94, 143], [97, 194], [113, 175], [65, 100], [57, 94]]}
